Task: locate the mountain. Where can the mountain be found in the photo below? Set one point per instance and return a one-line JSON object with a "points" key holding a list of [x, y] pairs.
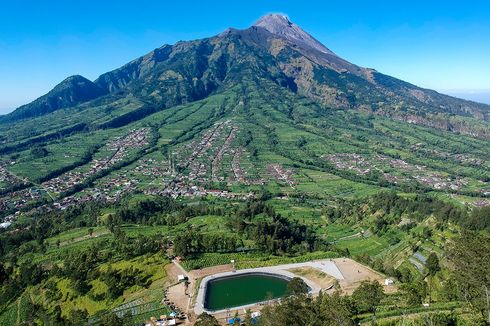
{"points": [[322, 75], [70, 92], [260, 146], [273, 48], [281, 26], [291, 95]]}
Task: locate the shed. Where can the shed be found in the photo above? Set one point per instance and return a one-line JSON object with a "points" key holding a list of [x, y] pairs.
{"points": [[181, 278], [389, 281]]}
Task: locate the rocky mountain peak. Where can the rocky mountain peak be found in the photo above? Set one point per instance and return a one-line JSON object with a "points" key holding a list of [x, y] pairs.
{"points": [[281, 26]]}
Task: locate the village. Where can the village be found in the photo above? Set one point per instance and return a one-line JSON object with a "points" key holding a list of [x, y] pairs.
{"points": [[186, 173], [7, 179], [190, 168], [118, 149], [395, 170]]}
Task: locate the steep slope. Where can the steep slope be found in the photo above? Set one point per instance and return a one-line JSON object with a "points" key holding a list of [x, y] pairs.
{"points": [[71, 91], [189, 71], [322, 75], [274, 49], [280, 25]]}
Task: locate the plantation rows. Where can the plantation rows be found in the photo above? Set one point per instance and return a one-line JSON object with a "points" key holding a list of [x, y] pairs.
{"points": [[250, 260]]}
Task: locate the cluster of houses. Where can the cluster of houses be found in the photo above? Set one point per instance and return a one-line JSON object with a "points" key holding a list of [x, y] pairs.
{"points": [[180, 187], [198, 148], [216, 164], [460, 158], [118, 148], [281, 174], [236, 167], [8, 179], [152, 168], [191, 167], [203, 158], [199, 162], [350, 161], [238, 173], [21, 198], [16, 199], [481, 203], [363, 164]]}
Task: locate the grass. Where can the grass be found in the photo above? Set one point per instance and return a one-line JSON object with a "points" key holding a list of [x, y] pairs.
{"points": [[152, 266], [323, 132], [76, 235], [371, 246], [328, 132], [9, 316], [335, 231]]}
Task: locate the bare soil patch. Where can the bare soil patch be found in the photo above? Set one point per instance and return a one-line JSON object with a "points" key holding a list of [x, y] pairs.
{"points": [[315, 275], [200, 273], [354, 273]]}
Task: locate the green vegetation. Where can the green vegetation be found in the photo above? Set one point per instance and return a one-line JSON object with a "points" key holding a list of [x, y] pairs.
{"points": [[95, 258], [211, 150]]}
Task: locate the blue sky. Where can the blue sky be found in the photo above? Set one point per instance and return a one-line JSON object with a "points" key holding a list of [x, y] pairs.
{"points": [[443, 45]]}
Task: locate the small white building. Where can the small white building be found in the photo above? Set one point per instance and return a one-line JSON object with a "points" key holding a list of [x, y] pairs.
{"points": [[389, 281], [255, 314], [181, 278]]}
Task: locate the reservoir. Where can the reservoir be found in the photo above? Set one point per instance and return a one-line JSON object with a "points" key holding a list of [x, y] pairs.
{"points": [[244, 289]]}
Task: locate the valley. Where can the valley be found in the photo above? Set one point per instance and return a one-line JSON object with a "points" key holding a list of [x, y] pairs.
{"points": [[251, 149]]}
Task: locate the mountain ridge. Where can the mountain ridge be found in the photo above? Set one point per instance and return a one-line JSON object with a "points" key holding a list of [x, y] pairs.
{"points": [[274, 48], [71, 91]]}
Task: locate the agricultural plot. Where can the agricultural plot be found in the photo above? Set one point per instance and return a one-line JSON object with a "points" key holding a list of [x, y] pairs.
{"points": [[371, 246], [226, 147], [396, 171]]}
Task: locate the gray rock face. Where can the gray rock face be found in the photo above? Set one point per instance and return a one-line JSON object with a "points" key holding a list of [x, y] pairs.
{"points": [[281, 26]]}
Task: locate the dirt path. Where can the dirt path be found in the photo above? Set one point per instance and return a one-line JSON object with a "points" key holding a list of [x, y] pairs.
{"points": [[178, 293], [95, 234]]}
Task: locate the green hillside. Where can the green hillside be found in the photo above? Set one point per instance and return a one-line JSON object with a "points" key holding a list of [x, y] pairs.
{"points": [[244, 146]]}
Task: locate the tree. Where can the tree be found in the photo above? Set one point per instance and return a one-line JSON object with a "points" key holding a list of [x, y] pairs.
{"points": [[432, 264], [110, 319], [414, 292], [368, 296], [39, 151], [127, 319], [297, 286], [248, 318], [78, 317], [324, 310], [433, 267], [335, 309], [3, 274], [206, 319], [470, 258], [479, 219]]}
